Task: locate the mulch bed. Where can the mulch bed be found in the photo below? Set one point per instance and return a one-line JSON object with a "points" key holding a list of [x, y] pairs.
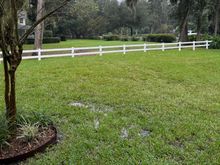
{"points": [[19, 150]]}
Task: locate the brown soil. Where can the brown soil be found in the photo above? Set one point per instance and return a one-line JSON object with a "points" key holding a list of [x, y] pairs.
{"points": [[19, 146]]}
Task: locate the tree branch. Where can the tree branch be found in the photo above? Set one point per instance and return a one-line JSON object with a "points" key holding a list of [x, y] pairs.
{"points": [[30, 30]]}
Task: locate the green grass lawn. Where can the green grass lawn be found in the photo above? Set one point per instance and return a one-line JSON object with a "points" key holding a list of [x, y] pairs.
{"points": [[173, 96], [83, 43]]}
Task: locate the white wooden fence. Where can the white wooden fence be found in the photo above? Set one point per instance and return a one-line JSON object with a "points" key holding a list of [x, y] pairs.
{"points": [[100, 50]]}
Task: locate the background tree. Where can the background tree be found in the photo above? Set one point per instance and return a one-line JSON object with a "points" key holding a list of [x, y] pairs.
{"points": [[199, 13], [39, 30], [217, 15], [182, 12], [132, 5], [100, 17]]}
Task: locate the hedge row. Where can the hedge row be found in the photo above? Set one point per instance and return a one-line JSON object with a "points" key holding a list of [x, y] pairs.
{"points": [[167, 38], [111, 37], [215, 44], [150, 38], [203, 37], [45, 40], [120, 38]]}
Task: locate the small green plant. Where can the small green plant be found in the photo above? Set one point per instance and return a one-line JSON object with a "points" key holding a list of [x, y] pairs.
{"points": [[42, 119], [35, 117], [27, 130], [4, 132]]}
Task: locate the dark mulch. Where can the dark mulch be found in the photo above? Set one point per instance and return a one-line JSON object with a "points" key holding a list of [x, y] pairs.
{"points": [[19, 146]]}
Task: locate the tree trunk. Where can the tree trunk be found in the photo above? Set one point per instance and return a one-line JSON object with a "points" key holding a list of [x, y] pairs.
{"points": [[131, 28], [10, 96], [217, 18], [39, 30], [7, 87], [199, 26], [184, 28], [13, 109]]}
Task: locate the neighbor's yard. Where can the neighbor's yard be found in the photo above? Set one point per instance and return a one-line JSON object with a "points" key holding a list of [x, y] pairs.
{"points": [[168, 103]]}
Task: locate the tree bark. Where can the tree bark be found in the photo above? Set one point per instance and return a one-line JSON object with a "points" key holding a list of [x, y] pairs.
{"points": [[7, 87], [199, 26], [13, 109], [217, 18], [132, 32], [39, 30], [10, 95], [184, 28]]}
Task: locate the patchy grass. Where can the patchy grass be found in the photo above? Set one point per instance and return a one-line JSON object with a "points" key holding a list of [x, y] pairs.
{"points": [[83, 43], [152, 108]]}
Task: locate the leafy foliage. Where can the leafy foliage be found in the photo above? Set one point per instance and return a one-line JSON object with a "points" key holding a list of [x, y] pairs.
{"points": [[4, 132], [46, 40], [215, 42], [167, 38], [35, 117], [111, 37]]}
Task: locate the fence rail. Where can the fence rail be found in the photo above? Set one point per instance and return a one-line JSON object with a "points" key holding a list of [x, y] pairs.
{"points": [[100, 50]]}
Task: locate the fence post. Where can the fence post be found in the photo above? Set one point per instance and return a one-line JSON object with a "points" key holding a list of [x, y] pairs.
{"points": [[180, 44], [145, 47], [163, 47], [39, 54], [207, 44], [124, 49], [100, 50], [73, 52], [194, 45]]}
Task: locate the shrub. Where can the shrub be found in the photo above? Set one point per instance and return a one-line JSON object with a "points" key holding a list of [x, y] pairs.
{"points": [[111, 37], [124, 38], [48, 33], [51, 40], [62, 38], [45, 40], [120, 37], [215, 44], [167, 38], [202, 37], [135, 38], [4, 132], [93, 37], [29, 41], [192, 38]]}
